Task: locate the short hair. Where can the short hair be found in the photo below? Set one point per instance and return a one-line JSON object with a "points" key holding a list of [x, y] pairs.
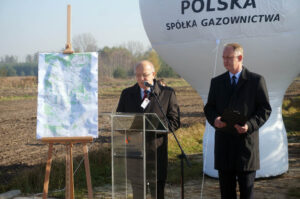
{"points": [[144, 63], [237, 48]]}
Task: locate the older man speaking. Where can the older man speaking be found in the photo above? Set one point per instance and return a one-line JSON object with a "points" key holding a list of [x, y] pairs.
{"points": [[137, 99]]}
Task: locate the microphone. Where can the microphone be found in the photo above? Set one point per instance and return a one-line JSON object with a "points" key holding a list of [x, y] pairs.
{"points": [[147, 84]]}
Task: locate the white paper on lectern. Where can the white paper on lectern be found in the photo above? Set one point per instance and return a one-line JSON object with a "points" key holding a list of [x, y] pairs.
{"points": [[67, 95], [191, 42]]}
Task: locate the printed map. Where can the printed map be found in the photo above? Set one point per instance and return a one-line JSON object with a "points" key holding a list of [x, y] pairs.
{"points": [[67, 95]]}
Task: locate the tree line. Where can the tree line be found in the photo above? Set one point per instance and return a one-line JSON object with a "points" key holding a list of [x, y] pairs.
{"points": [[113, 62]]}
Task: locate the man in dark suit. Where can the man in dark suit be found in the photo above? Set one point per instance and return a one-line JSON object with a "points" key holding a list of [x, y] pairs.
{"points": [[137, 99], [243, 97]]}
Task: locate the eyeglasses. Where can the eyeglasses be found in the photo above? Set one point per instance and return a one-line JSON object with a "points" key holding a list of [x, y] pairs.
{"points": [[145, 75], [229, 58]]}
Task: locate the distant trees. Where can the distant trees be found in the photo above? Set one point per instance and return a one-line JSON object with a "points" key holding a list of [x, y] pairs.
{"points": [[120, 73], [166, 71], [154, 58], [9, 59], [7, 70], [32, 58], [111, 59], [114, 62], [85, 42], [9, 66], [135, 48], [19, 69]]}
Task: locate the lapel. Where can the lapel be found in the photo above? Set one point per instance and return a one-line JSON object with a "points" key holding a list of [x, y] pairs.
{"points": [[242, 79], [227, 92], [156, 88], [136, 97], [227, 82], [157, 91]]}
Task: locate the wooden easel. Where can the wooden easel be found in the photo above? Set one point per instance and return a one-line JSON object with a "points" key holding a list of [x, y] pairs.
{"points": [[68, 141], [68, 49]]}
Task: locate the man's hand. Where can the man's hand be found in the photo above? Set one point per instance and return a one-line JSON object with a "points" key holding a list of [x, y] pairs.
{"points": [[241, 129], [218, 123]]}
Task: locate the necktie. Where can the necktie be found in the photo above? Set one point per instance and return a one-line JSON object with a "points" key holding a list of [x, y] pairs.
{"points": [[145, 94], [233, 82]]}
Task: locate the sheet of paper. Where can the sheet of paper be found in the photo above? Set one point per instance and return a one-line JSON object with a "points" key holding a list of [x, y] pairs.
{"points": [[67, 95]]}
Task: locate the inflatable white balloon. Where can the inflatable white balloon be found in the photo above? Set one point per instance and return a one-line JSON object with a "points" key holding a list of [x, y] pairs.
{"points": [[190, 35]]}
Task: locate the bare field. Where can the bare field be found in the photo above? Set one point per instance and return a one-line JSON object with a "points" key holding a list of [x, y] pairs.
{"points": [[20, 148], [18, 105]]}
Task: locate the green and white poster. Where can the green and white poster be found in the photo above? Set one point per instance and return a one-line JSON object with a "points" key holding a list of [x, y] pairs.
{"points": [[67, 95]]}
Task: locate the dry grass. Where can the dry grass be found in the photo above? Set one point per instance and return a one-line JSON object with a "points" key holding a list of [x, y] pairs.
{"points": [[190, 139], [18, 82]]}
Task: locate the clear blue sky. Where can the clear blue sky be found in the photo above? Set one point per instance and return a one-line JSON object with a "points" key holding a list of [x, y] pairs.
{"points": [[29, 26]]}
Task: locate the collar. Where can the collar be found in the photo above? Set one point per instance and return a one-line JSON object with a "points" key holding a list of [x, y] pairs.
{"points": [[237, 75], [142, 92]]}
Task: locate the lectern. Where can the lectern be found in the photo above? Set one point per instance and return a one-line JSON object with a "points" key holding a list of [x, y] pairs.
{"points": [[134, 154]]}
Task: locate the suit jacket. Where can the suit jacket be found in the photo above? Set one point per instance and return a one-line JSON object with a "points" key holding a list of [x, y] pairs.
{"points": [[235, 151], [130, 102]]}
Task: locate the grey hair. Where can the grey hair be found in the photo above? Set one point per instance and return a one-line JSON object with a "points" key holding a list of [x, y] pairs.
{"points": [[237, 48]]}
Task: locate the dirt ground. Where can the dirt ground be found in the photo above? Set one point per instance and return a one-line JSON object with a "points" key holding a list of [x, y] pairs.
{"points": [[20, 148]]}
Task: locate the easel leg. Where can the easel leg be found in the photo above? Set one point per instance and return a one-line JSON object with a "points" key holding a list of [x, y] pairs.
{"points": [[69, 173], [87, 171], [47, 173], [67, 191], [68, 141]]}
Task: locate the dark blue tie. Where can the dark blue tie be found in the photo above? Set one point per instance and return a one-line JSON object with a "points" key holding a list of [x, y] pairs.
{"points": [[233, 83]]}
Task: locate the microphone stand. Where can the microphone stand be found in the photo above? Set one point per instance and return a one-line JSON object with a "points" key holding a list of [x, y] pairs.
{"points": [[182, 156]]}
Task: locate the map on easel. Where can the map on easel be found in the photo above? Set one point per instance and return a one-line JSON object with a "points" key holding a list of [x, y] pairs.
{"points": [[67, 95]]}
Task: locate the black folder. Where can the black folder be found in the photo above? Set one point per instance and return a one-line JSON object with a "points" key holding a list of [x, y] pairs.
{"points": [[232, 117]]}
